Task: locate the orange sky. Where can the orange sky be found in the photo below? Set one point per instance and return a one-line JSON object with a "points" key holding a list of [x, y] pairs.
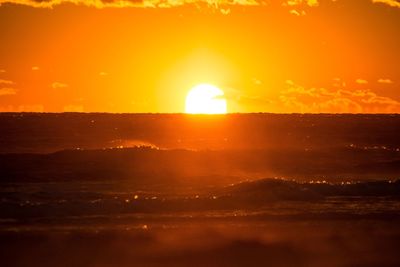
{"points": [[269, 56]]}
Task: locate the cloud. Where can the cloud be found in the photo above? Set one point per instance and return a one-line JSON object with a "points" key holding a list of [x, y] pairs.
{"points": [[22, 108], [59, 85], [129, 3], [30, 108], [392, 3], [387, 81], [6, 82], [337, 82], [361, 81], [159, 3], [2, 71], [256, 81], [225, 11], [297, 13], [253, 100], [73, 108], [7, 91], [297, 98], [175, 3], [302, 2], [35, 68], [244, 100], [103, 73]]}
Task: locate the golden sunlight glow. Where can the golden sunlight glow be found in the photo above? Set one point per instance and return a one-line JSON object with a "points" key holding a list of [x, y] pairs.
{"points": [[205, 99]]}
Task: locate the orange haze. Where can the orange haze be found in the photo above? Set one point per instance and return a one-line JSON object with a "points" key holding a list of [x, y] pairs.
{"points": [[285, 56]]}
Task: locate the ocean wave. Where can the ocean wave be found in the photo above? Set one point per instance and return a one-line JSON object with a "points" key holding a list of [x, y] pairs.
{"points": [[265, 198], [147, 165], [292, 190]]}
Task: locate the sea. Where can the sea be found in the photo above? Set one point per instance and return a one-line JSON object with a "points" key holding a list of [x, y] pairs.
{"points": [[99, 189]]}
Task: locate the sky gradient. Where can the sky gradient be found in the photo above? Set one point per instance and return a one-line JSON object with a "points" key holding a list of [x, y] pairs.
{"points": [[144, 56]]}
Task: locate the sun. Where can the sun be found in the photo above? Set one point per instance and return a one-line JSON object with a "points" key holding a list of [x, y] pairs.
{"points": [[205, 99]]}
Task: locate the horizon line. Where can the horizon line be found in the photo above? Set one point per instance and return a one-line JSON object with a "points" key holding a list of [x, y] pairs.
{"points": [[190, 114]]}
